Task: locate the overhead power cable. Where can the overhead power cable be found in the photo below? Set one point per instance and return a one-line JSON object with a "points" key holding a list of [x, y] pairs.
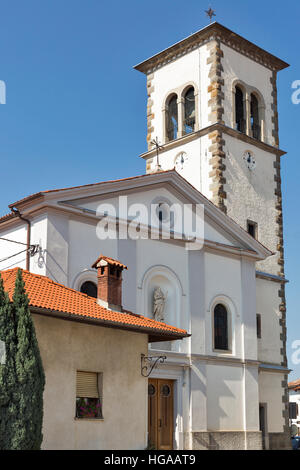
{"points": [[13, 241], [11, 256]]}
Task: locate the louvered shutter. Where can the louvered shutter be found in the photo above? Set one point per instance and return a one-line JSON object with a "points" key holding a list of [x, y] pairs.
{"points": [[87, 385]]}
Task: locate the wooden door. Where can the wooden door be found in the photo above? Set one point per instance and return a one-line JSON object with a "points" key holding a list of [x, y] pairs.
{"points": [[160, 413]]}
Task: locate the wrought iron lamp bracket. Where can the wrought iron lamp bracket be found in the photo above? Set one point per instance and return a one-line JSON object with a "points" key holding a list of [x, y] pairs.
{"points": [[148, 363]]}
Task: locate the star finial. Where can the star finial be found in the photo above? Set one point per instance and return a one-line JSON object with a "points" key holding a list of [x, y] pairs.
{"points": [[210, 13]]}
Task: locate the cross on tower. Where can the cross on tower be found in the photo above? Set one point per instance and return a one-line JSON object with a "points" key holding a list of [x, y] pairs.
{"points": [[158, 147], [210, 13]]}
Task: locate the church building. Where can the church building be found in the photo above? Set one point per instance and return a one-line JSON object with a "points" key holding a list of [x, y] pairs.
{"points": [[212, 142]]}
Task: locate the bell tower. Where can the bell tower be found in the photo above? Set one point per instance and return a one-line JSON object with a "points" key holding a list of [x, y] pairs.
{"points": [[212, 104]]}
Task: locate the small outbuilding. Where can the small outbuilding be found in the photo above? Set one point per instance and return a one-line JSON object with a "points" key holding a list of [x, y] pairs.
{"points": [[95, 356]]}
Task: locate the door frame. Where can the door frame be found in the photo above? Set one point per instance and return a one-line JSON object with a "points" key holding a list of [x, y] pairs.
{"points": [[170, 428], [176, 375]]}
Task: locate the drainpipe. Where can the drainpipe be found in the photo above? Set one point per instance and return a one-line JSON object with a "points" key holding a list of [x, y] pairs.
{"points": [[18, 214]]}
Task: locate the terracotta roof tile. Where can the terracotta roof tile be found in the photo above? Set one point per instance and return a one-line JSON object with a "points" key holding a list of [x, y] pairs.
{"points": [[295, 385], [8, 216], [110, 261], [45, 294]]}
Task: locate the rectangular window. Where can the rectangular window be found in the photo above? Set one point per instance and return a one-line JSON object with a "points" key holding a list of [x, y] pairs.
{"points": [[293, 410], [89, 395], [252, 228], [258, 325]]}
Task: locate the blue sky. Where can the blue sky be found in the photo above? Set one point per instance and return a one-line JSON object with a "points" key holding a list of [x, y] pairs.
{"points": [[75, 110]]}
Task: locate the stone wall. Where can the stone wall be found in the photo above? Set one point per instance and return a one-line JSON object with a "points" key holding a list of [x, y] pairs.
{"points": [[237, 440]]}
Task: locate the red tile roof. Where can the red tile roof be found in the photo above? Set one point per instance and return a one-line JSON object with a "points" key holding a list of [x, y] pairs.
{"points": [[110, 261], [55, 299], [8, 216], [295, 385]]}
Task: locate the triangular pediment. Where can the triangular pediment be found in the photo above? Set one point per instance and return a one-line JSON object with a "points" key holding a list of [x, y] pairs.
{"points": [[165, 186], [148, 189]]}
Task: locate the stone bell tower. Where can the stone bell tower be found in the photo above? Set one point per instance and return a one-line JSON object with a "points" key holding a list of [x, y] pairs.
{"points": [[212, 104]]}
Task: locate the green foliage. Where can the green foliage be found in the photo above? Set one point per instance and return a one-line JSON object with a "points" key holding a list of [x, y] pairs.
{"points": [[21, 403], [8, 378]]}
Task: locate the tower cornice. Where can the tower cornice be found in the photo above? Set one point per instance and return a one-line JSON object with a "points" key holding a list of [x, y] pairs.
{"points": [[216, 127], [212, 32]]}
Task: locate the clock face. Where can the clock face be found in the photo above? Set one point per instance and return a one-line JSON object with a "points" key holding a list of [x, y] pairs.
{"points": [[249, 160], [180, 161]]}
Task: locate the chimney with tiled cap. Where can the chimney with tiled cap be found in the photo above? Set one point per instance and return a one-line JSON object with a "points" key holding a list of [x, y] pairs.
{"points": [[109, 282]]}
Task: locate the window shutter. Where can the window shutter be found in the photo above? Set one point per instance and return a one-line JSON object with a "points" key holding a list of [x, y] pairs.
{"points": [[293, 410], [87, 385]]}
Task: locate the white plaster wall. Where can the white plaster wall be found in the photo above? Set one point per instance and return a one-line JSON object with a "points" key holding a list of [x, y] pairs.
{"points": [[8, 249], [223, 282], [149, 197], [39, 236], [225, 401], [224, 397], [251, 195], [192, 169], [198, 397], [270, 392], [19, 233], [204, 84], [189, 68], [248, 312], [196, 169], [295, 398], [251, 398], [67, 347], [169, 78], [166, 264], [267, 304], [196, 271], [205, 168], [57, 247], [237, 66], [85, 247]]}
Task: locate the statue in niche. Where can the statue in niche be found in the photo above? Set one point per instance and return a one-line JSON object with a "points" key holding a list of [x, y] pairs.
{"points": [[159, 303]]}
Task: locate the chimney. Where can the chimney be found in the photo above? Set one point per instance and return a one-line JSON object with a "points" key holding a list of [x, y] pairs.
{"points": [[109, 282]]}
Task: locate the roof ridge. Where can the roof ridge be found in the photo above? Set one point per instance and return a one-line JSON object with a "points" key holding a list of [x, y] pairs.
{"points": [[45, 278], [47, 191]]}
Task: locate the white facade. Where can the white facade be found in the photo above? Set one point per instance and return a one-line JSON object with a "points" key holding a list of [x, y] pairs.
{"points": [[218, 394], [295, 398], [221, 388]]}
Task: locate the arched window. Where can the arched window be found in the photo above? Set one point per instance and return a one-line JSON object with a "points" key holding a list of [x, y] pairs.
{"points": [[189, 111], [89, 288], [239, 110], [172, 119], [255, 122], [220, 328]]}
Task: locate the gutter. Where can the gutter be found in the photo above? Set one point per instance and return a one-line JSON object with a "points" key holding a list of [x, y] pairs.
{"points": [[18, 214], [154, 335]]}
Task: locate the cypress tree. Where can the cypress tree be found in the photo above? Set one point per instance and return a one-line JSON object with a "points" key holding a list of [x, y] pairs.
{"points": [[9, 393], [27, 429]]}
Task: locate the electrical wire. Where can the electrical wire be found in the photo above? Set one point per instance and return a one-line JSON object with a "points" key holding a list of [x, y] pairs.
{"points": [[12, 241], [11, 256]]}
